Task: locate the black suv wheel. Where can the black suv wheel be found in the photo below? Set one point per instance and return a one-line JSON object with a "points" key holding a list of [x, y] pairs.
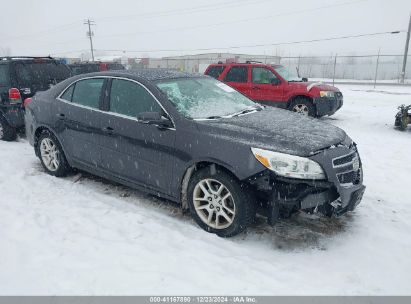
{"points": [[7, 132], [219, 203]]}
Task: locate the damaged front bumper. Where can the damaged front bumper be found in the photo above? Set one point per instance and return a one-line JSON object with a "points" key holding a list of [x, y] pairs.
{"points": [[341, 192]]}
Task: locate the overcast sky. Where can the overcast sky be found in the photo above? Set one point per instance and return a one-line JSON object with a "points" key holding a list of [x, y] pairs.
{"points": [[56, 27]]}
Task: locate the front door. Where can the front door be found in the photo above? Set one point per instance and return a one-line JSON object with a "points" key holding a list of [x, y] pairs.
{"points": [[265, 86], [132, 150]]}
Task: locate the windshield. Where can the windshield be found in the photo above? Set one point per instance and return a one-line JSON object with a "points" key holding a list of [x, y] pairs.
{"points": [[286, 73], [204, 97]]}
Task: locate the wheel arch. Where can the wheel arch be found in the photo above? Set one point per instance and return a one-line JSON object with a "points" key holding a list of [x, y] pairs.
{"points": [[188, 172], [36, 135], [294, 97]]}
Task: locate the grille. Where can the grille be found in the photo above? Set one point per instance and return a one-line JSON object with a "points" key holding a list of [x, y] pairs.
{"points": [[348, 168], [343, 160], [352, 177]]}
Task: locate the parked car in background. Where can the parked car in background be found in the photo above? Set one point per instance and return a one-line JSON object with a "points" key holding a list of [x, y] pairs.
{"points": [[273, 85], [195, 140], [21, 78], [91, 67]]}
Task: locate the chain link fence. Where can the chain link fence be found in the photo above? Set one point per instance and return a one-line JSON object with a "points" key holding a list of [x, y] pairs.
{"points": [[380, 68]]}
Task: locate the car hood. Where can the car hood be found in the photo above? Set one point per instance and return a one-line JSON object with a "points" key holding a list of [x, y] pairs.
{"points": [[308, 86], [276, 130]]}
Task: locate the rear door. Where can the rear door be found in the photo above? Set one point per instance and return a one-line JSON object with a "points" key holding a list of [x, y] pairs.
{"points": [[132, 150], [265, 86], [80, 121], [238, 78]]}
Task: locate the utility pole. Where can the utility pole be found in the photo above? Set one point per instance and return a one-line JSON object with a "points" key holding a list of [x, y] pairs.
{"points": [[376, 67], [404, 62], [90, 35], [335, 63]]}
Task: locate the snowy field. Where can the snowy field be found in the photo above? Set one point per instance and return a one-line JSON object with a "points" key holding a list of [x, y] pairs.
{"points": [[88, 236]]}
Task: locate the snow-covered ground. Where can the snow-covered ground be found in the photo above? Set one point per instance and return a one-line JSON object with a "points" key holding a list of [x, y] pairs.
{"points": [[88, 236]]}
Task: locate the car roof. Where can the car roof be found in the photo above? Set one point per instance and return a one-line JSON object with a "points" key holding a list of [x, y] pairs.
{"points": [[28, 59], [245, 64], [145, 74]]}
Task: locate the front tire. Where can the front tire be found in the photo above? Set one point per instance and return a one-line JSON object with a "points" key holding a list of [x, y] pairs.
{"points": [[51, 155], [303, 106], [7, 132], [219, 203]]}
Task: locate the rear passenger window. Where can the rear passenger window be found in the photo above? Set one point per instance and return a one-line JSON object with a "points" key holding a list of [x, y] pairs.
{"points": [[87, 92], [237, 74], [215, 71], [68, 93], [4, 74], [129, 98]]}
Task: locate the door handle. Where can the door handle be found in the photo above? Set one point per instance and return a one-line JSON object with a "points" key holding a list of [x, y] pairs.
{"points": [[108, 130], [256, 88], [61, 116]]}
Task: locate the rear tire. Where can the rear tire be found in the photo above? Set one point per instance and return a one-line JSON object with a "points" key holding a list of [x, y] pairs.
{"points": [[7, 132], [303, 106], [219, 203], [52, 155]]}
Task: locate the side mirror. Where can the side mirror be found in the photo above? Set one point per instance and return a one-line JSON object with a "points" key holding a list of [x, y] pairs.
{"points": [[304, 79], [275, 81], [155, 118]]}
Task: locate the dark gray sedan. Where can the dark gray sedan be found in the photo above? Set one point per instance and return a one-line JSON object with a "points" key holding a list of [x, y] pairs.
{"points": [[194, 140]]}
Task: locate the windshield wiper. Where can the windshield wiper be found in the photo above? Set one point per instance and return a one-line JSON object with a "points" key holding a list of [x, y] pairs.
{"points": [[245, 111], [214, 117]]}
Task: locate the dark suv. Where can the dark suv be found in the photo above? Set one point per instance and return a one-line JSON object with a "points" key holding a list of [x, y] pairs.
{"points": [[20, 78], [91, 67], [194, 140], [274, 85]]}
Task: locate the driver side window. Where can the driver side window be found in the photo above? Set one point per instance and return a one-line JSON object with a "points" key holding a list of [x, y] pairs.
{"points": [[129, 98], [263, 76]]}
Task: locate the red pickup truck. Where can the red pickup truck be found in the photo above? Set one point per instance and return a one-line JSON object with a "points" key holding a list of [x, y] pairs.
{"points": [[272, 85]]}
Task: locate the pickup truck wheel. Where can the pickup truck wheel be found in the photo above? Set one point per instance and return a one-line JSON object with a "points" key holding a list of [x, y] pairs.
{"points": [[7, 132], [51, 155], [302, 106], [219, 203]]}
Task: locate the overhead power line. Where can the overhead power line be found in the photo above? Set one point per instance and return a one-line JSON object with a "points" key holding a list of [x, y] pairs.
{"points": [[245, 20], [259, 45], [185, 10], [56, 29]]}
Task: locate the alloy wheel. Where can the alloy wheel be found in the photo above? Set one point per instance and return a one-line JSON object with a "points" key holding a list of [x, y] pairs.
{"points": [[50, 154], [301, 109], [214, 203]]}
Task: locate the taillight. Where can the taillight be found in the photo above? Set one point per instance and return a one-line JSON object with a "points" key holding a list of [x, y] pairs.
{"points": [[14, 95], [103, 67], [27, 101]]}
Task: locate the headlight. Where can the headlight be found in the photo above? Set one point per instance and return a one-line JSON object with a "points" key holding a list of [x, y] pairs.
{"points": [[289, 165], [327, 94]]}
